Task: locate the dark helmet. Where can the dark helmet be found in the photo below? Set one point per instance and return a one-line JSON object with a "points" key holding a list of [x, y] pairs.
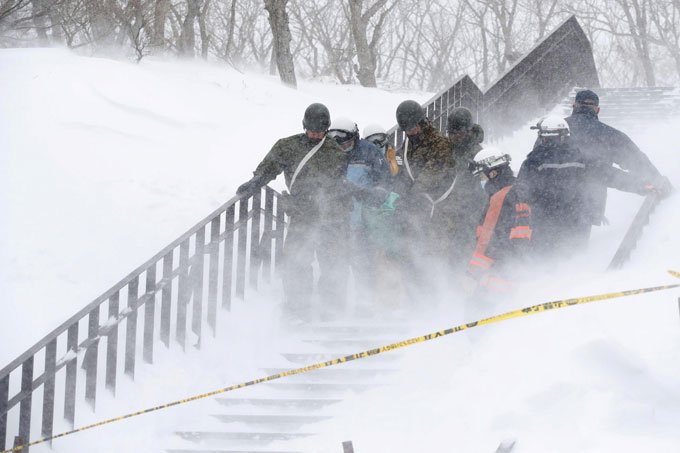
{"points": [[409, 114], [317, 118], [460, 119], [587, 97]]}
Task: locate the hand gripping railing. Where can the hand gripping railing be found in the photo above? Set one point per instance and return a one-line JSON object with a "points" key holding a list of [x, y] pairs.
{"points": [[236, 242]]}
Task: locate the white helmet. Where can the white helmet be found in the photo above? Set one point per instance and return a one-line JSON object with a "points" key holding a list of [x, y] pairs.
{"points": [[343, 130], [373, 129], [344, 124], [552, 126]]}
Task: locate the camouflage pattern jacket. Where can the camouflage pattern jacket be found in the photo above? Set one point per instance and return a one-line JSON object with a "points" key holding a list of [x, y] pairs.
{"points": [[319, 191], [430, 165]]}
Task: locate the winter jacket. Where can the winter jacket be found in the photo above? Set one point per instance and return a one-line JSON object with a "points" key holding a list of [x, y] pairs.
{"points": [[504, 233], [429, 165], [319, 191], [367, 168], [604, 146], [428, 176], [468, 199], [551, 181]]}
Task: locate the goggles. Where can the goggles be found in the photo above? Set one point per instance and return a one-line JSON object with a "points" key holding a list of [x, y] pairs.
{"points": [[490, 163], [340, 136], [379, 140]]}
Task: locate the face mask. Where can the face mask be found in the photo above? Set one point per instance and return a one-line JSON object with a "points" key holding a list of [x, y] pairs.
{"points": [[483, 183]]}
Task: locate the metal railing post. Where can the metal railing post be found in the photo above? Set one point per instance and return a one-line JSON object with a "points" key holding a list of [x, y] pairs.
{"points": [[4, 399], [347, 447], [71, 375], [112, 345], [149, 313], [27, 401], [227, 266], [91, 358], [48, 393], [213, 272]]}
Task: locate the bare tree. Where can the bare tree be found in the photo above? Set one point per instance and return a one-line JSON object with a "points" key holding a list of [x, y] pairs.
{"points": [[278, 20], [161, 9], [665, 17], [187, 40], [366, 49]]}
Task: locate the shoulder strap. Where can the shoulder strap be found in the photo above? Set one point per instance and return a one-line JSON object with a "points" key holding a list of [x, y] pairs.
{"points": [[303, 162], [408, 167]]}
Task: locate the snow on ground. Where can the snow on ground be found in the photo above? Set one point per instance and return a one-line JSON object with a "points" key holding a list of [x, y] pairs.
{"points": [[103, 163]]}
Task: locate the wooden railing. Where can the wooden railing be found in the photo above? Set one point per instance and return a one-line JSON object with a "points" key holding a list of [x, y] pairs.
{"points": [[173, 297]]}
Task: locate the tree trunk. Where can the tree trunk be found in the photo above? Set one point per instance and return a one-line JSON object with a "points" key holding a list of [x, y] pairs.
{"points": [[55, 26], [160, 13], [203, 28], [187, 40], [39, 13], [230, 31], [278, 21], [359, 20]]}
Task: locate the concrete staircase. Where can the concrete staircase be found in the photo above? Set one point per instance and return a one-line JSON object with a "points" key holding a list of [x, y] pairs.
{"points": [[630, 108], [275, 417]]}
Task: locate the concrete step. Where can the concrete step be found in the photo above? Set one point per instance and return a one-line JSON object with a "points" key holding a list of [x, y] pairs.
{"points": [[289, 420], [337, 373], [280, 403], [320, 388], [309, 358], [229, 450], [357, 344], [260, 437]]}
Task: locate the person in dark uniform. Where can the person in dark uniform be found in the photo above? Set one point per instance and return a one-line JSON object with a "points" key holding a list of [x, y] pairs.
{"points": [[426, 184], [468, 197], [555, 180], [606, 146], [318, 205]]}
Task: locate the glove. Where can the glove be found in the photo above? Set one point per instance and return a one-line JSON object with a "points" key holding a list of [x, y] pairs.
{"points": [[664, 186], [388, 204], [250, 186], [661, 187]]}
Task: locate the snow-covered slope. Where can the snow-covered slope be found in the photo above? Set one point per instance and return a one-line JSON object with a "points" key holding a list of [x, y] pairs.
{"points": [[103, 163]]}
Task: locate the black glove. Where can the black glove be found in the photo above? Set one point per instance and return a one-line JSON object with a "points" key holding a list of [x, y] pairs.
{"points": [[250, 186]]}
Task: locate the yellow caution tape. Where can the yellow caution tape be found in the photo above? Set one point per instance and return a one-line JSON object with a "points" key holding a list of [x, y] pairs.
{"points": [[546, 306]]}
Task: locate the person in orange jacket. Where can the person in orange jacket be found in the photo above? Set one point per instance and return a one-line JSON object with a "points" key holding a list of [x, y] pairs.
{"points": [[505, 231]]}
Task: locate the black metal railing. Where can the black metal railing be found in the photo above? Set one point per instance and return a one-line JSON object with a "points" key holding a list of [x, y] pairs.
{"points": [[173, 296], [463, 93]]}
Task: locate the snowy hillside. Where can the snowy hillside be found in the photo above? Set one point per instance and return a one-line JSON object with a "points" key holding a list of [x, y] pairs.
{"points": [[103, 163]]}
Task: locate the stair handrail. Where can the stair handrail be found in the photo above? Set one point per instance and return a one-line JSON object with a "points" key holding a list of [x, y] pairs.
{"points": [[243, 230]]}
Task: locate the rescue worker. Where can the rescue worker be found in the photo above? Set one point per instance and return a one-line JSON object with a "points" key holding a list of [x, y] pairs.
{"points": [[318, 207], [377, 135], [607, 146], [426, 184], [505, 231], [554, 180], [468, 197], [368, 170]]}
